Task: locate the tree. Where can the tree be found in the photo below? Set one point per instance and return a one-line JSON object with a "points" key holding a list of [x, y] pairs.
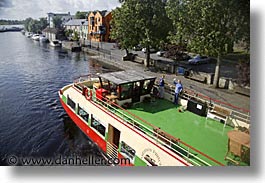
{"points": [[76, 36], [123, 30], [81, 15], [57, 22], [142, 22], [27, 24], [36, 26], [43, 23], [209, 26]]}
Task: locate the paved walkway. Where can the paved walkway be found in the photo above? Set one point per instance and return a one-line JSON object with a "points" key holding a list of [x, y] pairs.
{"points": [[222, 95]]}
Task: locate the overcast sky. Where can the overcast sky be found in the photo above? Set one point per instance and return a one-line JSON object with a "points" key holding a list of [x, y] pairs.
{"points": [[22, 9]]}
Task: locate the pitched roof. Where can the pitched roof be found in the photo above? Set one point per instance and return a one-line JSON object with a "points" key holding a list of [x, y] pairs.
{"points": [[103, 12], [51, 30], [123, 77], [76, 22]]}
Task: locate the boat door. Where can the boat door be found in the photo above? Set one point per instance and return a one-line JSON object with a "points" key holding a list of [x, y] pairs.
{"points": [[136, 92], [114, 135]]}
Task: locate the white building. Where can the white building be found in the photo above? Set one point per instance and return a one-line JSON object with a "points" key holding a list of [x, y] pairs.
{"points": [[64, 17], [78, 25]]}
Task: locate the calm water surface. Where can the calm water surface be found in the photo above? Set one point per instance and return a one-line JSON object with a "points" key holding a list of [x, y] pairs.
{"points": [[32, 121]]}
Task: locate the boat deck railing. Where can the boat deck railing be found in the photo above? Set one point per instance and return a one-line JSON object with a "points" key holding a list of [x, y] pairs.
{"points": [[189, 153], [237, 113], [163, 138]]}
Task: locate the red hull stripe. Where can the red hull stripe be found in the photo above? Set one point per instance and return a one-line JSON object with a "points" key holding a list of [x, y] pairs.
{"points": [[88, 131], [85, 128]]}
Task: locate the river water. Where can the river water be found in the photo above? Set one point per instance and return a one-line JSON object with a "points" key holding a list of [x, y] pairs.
{"points": [[32, 120]]}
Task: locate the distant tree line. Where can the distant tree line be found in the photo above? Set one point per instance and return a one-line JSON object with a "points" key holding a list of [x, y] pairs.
{"points": [[11, 22], [81, 14]]}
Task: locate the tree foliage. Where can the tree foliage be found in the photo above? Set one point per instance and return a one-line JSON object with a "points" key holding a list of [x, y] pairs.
{"points": [[57, 22], [11, 22], [209, 26], [142, 22], [35, 26], [81, 15]]}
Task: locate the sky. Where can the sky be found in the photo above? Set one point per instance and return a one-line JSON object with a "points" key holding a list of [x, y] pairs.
{"points": [[22, 9]]}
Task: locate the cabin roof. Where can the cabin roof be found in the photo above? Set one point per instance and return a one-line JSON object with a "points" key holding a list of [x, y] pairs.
{"points": [[123, 77]]}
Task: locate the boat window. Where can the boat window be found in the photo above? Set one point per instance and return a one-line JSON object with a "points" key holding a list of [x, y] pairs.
{"points": [[126, 91], [83, 113], [71, 103], [147, 86], [127, 151], [113, 88], [98, 126], [105, 84]]}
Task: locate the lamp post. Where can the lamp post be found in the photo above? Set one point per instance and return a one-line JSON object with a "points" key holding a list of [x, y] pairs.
{"points": [[90, 39]]}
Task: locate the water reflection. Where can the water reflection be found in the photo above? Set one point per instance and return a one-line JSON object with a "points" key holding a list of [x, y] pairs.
{"points": [[33, 122]]}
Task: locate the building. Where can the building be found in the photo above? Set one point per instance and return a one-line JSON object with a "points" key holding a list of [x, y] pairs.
{"points": [[78, 25], [64, 17], [53, 34], [99, 26]]}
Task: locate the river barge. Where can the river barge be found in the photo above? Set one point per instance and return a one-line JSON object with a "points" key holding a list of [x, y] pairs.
{"points": [[122, 113]]}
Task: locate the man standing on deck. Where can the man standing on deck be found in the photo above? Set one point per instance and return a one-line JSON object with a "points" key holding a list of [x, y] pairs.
{"points": [[162, 86], [178, 90]]}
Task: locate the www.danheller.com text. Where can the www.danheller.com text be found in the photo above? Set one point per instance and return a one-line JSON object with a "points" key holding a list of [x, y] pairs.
{"points": [[65, 160]]}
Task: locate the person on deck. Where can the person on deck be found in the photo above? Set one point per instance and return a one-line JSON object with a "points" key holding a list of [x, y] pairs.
{"points": [[162, 86], [178, 90]]}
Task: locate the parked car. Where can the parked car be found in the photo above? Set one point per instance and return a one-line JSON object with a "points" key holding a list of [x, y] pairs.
{"points": [[152, 50], [199, 60], [160, 53], [137, 48]]}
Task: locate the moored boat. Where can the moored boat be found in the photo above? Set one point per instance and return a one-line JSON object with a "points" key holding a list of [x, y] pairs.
{"points": [[35, 37], [122, 114], [28, 34], [43, 39], [55, 43]]}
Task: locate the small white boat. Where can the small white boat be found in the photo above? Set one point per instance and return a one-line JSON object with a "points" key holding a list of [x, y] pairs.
{"points": [[29, 34], [36, 37], [55, 43], [43, 39]]}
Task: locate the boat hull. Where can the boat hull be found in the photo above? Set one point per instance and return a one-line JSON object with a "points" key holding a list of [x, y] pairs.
{"points": [[101, 143]]}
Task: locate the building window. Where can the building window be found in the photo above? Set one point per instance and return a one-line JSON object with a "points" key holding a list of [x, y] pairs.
{"points": [[71, 103], [98, 126], [127, 151], [82, 113]]}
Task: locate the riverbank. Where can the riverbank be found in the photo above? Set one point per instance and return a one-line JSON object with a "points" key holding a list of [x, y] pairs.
{"points": [[225, 97]]}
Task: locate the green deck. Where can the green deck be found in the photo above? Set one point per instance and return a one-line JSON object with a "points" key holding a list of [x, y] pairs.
{"points": [[206, 135]]}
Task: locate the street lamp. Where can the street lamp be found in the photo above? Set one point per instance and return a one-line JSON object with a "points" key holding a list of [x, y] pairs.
{"points": [[91, 33]]}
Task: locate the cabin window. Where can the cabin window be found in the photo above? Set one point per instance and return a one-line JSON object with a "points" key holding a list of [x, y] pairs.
{"points": [[127, 151], [98, 126], [71, 103], [126, 91], [147, 86], [82, 113], [113, 88], [105, 84]]}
